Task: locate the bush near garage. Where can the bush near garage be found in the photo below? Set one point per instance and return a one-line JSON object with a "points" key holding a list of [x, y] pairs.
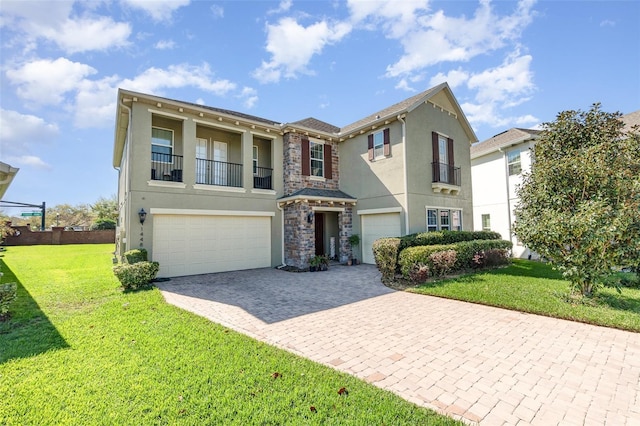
{"points": [[136, 275], [135, 256], [385, 252]]}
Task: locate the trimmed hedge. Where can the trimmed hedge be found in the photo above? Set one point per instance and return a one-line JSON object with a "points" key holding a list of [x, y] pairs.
{"points": [[385, 252], [465, 250], [445, 237], [136, 275], [135, 256]]}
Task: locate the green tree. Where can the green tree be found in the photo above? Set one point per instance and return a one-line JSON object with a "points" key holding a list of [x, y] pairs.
{"points": [[105, 208], [580, 204], [68, 215]]}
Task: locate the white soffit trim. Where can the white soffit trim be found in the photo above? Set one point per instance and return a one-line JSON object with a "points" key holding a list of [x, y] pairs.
{"points": [[218, 125], [327, 209], [380, 211], [166, 114], [194, 212]]}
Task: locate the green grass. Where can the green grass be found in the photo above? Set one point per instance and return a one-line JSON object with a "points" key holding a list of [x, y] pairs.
{"points": [[535, 287], [78, 350]]}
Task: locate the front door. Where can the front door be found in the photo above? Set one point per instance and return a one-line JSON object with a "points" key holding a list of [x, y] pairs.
{"points": [[319, 225]]}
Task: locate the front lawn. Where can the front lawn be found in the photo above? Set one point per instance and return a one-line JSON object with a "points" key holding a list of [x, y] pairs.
{"points": [[535, 287], [77, 350]]}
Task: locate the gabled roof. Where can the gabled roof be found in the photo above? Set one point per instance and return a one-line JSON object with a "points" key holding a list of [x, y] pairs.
{"points": [[7, 173], [315, 124], [409, 105], [507, 138]]}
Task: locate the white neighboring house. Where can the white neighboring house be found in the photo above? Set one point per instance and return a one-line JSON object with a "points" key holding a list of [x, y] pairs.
{"points": [[497, 165]]}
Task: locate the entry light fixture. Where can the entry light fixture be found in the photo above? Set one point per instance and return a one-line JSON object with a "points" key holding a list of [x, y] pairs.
{"points": [[310, 217], [142, 215]]}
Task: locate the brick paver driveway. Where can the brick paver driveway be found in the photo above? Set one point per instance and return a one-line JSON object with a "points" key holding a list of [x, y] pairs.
{"points": [[478, 363]]}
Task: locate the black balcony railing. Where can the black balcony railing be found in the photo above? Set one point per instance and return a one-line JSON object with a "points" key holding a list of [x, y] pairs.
{"points": [[166, 167], [210, 172], [445, 173], [262, 178]]}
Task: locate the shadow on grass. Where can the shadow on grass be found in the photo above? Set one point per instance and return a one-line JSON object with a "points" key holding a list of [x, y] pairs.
{"points": [[28, 331]]}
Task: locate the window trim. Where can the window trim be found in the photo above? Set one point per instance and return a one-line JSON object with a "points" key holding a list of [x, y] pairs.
{"points": [[437, 226], [485, 220], [171, 147], [312, 144], [512, 162]]}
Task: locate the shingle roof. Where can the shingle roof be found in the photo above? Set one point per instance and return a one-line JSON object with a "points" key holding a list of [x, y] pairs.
{"points": [[506, 138], [630, 120], [391, 110], [315, 124], [324, 193]]}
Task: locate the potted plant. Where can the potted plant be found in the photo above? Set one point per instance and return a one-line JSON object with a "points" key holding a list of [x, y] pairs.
{"points": [[354, 241], [324, 262]]}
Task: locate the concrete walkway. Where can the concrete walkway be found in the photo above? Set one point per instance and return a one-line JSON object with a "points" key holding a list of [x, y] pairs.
{"points": [[476, 363]]}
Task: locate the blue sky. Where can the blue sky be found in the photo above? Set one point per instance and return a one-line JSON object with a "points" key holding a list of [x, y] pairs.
{"points": [[510, 64]]}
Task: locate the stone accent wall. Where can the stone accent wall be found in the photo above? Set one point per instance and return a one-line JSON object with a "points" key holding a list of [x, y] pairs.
{"points": [[299, 235], [292, 165]]}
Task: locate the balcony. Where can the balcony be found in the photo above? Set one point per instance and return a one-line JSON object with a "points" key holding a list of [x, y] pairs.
{"points": [[220, 173], [445, 178], [166, 167], [262, 178]]}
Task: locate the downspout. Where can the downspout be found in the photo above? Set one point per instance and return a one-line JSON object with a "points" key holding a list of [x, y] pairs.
{"points": [[128, 177], [506, 171], [281, 234], [406, 175]]}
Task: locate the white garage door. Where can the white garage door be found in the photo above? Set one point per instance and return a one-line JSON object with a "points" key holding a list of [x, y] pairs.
{"points": [[190, 244], [376, 226]]}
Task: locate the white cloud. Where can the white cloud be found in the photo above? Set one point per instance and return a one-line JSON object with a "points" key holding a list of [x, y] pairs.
{"points": [[250, 96], [396, 17], [292, 47], [159, 10], [217, 11], [28, 22], [154, 80], [454, 78], [510, 83], [21, 134], [608, 23], [45, 81], [200, 101], [284, 6], [435, 38], [165, 45]]}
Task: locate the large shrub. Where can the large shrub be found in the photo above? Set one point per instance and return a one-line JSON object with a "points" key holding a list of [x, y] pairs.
{"points": [[419, 255], [136, 275], [102, 224], [135, 256], [385, 252], [445, 237], [7, 296]]}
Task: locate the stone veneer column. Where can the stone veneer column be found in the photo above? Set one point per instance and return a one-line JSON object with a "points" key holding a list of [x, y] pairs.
{"points": [[345, 220], [299, 235], [292, 162]]}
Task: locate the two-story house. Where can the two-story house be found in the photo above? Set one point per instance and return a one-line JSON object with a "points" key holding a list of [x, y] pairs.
{"points": [[207, 189]]}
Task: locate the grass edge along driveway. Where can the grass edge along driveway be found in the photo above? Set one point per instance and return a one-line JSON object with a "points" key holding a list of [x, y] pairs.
{"points": [[534, 287], [80, 351]]}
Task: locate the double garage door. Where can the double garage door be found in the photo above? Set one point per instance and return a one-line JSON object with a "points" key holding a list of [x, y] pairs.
{"points": [[375, 226], [202, 244]]}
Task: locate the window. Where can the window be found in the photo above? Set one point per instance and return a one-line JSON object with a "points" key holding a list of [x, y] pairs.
{"points": [[444, 220], [432, 220], [255, 160], [161, 145], [513, 162], [317, 159], [378, 144], [486, 222]]}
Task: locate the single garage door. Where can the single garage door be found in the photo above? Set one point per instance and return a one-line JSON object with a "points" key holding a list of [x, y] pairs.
{"points": [[376, 226], [193, 244]]}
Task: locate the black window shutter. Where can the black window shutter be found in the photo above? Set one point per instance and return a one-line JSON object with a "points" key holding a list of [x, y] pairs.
{"points": [[328, 171], [306, 157], [387, 142], [370, 146], [434, 145], [450, 151]]}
